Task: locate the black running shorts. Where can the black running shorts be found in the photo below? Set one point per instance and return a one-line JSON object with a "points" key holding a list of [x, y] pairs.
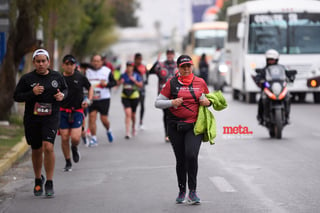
{"points": [[101, 106], [130, 103], [38, 130]]}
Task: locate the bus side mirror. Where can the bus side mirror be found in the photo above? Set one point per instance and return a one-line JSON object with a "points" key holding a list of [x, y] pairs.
{"points": [[240, 30]]}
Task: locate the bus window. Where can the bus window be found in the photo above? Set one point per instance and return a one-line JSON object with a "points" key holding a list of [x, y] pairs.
{"points": [[304, 31], [287, 33]]}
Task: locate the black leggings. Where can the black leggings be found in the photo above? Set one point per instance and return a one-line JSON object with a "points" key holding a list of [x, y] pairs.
{"points": [[186, 146], [165, 123], [141, 100]]}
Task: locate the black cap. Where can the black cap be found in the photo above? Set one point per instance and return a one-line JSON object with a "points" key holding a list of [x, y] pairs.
{"points": [[137, 55], [130, 63], [184, 59], [170, 50], [69, 59]]}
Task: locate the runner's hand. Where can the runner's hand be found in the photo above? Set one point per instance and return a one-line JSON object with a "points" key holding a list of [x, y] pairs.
{"points": [[177, 102], [103, 83], [204, 102], [59, 96], [37, 89]]}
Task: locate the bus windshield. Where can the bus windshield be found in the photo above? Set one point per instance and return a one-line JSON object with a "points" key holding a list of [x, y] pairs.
{"points": [[207, 41], [288, 33]]}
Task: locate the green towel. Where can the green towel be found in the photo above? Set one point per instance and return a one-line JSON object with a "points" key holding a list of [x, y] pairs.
{"points": [[206, 123]]}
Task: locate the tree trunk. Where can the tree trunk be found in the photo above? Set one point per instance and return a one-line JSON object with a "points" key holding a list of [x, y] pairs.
{"points": [[21, 40]]}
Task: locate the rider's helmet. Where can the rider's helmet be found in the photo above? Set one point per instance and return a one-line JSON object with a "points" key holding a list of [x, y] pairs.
{"points": [[272, 57]]}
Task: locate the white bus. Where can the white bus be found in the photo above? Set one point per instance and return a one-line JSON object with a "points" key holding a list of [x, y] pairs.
{"points": [[292, 27]]}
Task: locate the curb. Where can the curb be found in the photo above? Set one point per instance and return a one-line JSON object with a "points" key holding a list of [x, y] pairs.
{"points": [[13, 155]]}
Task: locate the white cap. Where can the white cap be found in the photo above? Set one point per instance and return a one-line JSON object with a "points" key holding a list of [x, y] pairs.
{"points": [[40, 52]]}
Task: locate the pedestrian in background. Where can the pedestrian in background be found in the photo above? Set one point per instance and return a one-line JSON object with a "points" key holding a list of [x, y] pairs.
{"points": [[164, 71], [72, 113], [142, 71], [85, 133], [131, 82], [102, 81], [182, 95], [203, 67], [42, 90]]}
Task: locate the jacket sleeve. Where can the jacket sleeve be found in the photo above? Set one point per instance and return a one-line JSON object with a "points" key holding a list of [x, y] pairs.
{"points": [[22, 92], [112, 81], [162, 102], [154, 68]]}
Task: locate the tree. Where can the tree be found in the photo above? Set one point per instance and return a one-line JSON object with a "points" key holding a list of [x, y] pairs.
{"points": [[81, 26], [21, 40], [98, 33], [123, 12]]}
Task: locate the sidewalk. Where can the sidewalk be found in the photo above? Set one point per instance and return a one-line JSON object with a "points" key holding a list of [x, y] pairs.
{"points": [[13, 155]]}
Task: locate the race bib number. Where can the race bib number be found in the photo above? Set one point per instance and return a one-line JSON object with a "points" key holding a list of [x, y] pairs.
{"points": [[42, 109], [96, 95]]}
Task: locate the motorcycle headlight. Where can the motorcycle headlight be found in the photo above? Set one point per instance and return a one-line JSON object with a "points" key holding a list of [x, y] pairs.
{"points": [[276, 88], [223, 68]]}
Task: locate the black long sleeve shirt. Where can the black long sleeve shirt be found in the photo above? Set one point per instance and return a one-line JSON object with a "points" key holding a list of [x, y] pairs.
{"points": [[51, 82]]}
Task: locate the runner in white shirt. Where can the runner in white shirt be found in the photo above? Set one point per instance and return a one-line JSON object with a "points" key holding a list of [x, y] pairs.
{"points": [[101, 80]]}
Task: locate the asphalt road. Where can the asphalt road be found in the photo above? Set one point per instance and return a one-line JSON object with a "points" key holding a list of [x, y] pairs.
{"points": [[240, 173]]}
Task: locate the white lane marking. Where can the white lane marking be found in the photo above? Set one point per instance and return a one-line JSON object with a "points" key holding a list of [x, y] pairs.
{"points": [[222, 184]]}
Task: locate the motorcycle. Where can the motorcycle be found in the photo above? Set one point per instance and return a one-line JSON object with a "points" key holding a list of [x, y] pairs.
{"points": [[275, 97]]}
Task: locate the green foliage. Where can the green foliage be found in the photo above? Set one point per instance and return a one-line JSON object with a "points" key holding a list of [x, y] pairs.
{"points": [[95, 32], [9, 137], [123, 12], [16, 119], [86, 26], [72, 22]]}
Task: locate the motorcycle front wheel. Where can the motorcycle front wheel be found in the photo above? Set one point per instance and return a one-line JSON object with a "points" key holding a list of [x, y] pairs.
{"points": [[278, 124]]}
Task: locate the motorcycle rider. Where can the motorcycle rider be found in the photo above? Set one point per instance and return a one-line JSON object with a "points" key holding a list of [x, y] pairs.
{"points": [[272, 58]]}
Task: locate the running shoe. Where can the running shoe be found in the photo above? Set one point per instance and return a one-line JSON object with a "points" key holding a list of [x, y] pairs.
{"points": [[181, 197], [193, 198], [75, 154], [110, 137], [38, 186], [49, 188], [127, 137], [141, 127], [93, 142], [68, 167]]}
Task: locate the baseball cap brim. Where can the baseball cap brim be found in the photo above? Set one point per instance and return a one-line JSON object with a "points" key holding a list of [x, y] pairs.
{"points": [[70, 60], [187, 62]]}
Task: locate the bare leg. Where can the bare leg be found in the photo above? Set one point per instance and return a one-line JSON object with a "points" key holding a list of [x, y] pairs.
{"points": [[37, 159], [65, 143], [92, 122], [75, 136], [133, 119], [128, 114], [105, 121], [49, 159]]}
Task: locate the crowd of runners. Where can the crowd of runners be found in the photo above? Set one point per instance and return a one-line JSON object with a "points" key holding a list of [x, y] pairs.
{"points": [[57, 103]]}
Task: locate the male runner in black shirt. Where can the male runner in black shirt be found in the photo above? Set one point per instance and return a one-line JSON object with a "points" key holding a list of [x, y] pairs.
{"points": [[72, 114], [42, 90]]}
